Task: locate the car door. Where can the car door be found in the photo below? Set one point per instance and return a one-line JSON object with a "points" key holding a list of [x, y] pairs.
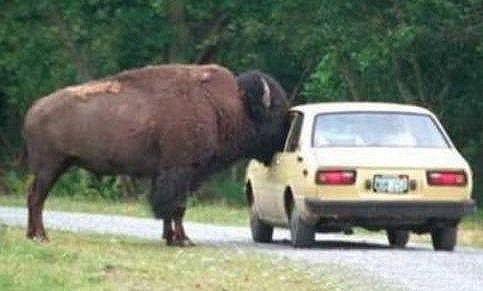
{"points": [[282, 170]]}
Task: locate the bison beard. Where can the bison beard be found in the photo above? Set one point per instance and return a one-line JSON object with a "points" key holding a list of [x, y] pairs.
{"points": [[177, 124]]}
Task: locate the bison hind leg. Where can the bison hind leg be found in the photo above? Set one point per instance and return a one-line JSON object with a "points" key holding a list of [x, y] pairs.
{"points": [[169, 191], [44, 180]]}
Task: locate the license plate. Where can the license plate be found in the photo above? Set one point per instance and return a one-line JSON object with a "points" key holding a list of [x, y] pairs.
{"points": [[391, 184]]}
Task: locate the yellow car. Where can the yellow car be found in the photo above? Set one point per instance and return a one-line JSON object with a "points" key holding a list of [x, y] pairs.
{"points": [[371, 165]]}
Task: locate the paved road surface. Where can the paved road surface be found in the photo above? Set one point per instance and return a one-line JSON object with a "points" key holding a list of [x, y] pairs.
{"points": [[358, 262]]}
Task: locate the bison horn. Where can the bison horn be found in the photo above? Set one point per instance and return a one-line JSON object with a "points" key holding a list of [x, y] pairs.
{"points": [[266, 99]]}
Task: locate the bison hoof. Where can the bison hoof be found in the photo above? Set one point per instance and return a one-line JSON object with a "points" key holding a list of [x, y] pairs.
{"points": [[38, 238], [180, 243]]}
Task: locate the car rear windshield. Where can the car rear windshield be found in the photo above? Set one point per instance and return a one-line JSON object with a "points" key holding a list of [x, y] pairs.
{"points": [[377, 129]]}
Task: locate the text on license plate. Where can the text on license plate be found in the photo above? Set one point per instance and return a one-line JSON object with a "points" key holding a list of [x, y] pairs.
{"points": [[390, 183]]}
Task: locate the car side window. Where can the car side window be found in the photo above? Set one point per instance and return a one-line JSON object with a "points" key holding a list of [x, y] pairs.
{"points": [[292, 143]]}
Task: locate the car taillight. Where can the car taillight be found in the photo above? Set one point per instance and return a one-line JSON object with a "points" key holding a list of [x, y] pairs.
{"points": [[336, 177], [446, 178]]}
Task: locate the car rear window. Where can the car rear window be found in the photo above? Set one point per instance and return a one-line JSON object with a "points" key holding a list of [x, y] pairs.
{"points": [[377, 129]]}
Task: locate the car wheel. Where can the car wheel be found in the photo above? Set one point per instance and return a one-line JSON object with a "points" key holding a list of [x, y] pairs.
{"points": [[397, 238], [444, 239], [302, 233], [261, 232]]}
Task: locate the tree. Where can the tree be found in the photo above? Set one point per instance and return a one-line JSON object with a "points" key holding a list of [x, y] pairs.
{"points": [[418, 52], [426, 52]]}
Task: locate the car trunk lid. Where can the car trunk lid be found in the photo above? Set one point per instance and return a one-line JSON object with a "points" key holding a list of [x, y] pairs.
{"points": [[379, 171]]}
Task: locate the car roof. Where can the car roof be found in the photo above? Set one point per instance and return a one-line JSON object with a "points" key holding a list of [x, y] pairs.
{"points": [[330, 107]]}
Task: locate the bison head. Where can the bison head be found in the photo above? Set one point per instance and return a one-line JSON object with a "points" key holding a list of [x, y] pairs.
{"points": [[267, 106]]}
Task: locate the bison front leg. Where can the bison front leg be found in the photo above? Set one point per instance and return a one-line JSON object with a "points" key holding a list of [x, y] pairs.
{"points": [[168, 233], [168, 200], [180, 237]]}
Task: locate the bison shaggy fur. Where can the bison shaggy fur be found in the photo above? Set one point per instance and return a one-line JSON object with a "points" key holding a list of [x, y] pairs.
{"points": [[176, 124]]}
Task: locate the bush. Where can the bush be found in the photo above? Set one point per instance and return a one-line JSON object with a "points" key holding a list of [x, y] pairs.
{"points": [[226, 190], [79, 183], [15, 182], [225, 186], [75, 183]]}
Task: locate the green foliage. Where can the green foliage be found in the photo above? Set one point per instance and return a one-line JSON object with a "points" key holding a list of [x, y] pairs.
{"points": [[80, 184], [76, 183], [419, 52], [227, 190], [15, 183]]}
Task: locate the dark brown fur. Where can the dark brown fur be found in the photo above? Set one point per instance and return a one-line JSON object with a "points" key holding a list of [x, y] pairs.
{"points": [[174, 123]]}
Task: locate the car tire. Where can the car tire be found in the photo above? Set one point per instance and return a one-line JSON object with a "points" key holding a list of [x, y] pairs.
{"points": [[302, 234], [444, 238], [261, 232], [397, 238]]}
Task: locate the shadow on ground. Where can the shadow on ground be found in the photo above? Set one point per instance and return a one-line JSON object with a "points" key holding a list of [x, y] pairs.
{"points": [[346, 245]]}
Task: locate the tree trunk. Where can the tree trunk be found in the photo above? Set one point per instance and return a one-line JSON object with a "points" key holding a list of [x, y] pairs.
{"points": [[309, 68], [346, 74], [73, 51], [419, 78], [403, 91], [177, 50], [213, 39]]}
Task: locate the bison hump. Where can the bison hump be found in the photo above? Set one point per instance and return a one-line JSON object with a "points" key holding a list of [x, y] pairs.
{"points": [[178, 72], [83, 91]]}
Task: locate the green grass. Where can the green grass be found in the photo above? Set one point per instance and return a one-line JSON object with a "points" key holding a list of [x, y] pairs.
{"points": [[470, 232], [216, 211], [474, 221], [89, 262]]}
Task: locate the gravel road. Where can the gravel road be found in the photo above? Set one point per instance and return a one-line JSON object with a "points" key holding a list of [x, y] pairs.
{"points": [[358, 262]]}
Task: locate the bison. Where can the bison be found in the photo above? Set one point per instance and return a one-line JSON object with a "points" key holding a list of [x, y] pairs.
{"points": [[176, 124]]}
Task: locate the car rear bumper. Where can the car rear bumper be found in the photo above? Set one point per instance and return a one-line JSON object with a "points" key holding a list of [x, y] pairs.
{"points": [[390, 209]]}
